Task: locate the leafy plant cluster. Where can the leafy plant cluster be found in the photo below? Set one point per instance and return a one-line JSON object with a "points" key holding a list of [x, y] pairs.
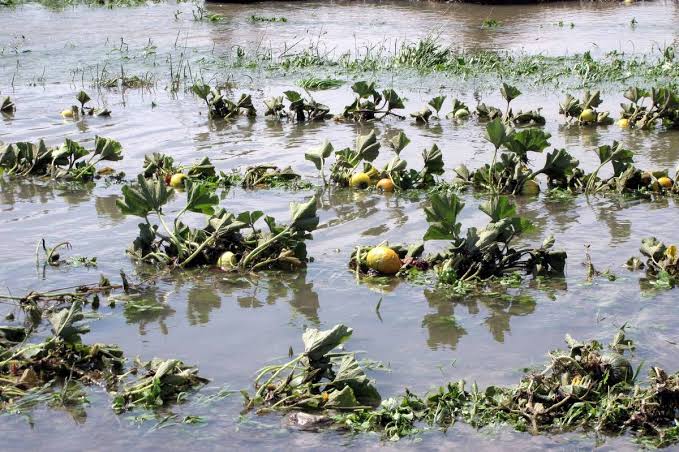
{"points": [[70, 161], [347, 162], [519, 118], [320, 378], [369, 104], [300, 109], [649, 107], [29, 370], [584, 111], [183, 246], [219, 107], [662, 262], [587, 386]]}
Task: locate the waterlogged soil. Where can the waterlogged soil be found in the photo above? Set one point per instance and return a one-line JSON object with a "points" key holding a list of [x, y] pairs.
{"points": [[231, 326]]}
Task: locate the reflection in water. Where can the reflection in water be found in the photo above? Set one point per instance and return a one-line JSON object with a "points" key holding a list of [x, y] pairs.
{"points": [[106, 206], [200, 301], [147, 308], [444, 329]]}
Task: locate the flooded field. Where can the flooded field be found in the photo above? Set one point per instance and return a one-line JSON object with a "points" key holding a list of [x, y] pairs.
{"points": [[230, 324]]}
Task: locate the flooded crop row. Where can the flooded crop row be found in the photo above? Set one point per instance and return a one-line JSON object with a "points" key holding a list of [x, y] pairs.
{"points": [[312, 224]]}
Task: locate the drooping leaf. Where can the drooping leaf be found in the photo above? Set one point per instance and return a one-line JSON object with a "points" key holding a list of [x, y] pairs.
{"points": [[65, 323], [351, 374], [201, 90], [318, 343], [303, 216], [527, 140], [433, 160], [559, 164], [394, 102], [367, 146], [509, 92], [399, 142]]}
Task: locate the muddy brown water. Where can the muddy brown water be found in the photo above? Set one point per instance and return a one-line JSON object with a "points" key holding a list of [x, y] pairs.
{"points": [[230, 326]]}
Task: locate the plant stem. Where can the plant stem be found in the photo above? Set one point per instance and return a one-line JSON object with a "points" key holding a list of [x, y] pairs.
{"points": [[257, 251]]}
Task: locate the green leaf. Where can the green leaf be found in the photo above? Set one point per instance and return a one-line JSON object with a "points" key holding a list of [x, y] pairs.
{"points": [[498, 207], [143, 198], [363, 89], [394, 102], [70, 150], [527, 140], [318, 343], [559, 164], [201, 90], [200, 198], [318, 155], [303, 216], [436, 103], [108, 149], [509, 92], [653, 248], [64, 323], [343, 399], [292, 96], [442, 217], [352, 375], [367, 146], [399, 142], [496, 133], [82, 97], [433, 160]]}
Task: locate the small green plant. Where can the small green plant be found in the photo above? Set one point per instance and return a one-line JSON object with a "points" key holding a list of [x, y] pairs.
{"points": [[369, 104], [219, 107]]}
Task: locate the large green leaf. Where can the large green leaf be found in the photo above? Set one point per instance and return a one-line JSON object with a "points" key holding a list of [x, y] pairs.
{"points": [[351, 374], [318, 343], [559, 164], [144, 197], [70, 150], [527, 140], [496, 133], [318, 155], [442, 217], [433, 160], [367, 146], [200, 198], [436, 103], [108, 149], [509, 92], [399, 142], [303, 216], [394, 101]]}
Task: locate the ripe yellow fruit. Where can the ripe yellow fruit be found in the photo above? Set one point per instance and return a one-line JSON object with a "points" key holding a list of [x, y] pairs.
{"points": [[623, 123], [665, 182], [588, 115], [359, 180], [462, 113], [227, 260], [530, 187], [386, 185], [384, 260], [67, 113], [177, 180]]}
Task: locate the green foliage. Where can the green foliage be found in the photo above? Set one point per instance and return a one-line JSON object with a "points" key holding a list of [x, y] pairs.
{"points": [[70, 161], [219, 107], [369, 104]]}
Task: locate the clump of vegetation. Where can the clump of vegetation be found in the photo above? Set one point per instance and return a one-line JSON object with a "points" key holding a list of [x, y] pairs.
{"points": [[219, 107], [319, 84], [299, 109], [256, 18], [162, 167], [7, 106], [222, 241], [475, 256], [587, 386], [70, 161], [163, 381], [271, 176], [663, 108], [320, 378], [370, 105], [584, 111], [344, 171], [520, 118], [662, 263]]}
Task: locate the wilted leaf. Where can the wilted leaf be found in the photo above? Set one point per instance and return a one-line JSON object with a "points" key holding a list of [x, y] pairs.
{"points": [[318, 343]]}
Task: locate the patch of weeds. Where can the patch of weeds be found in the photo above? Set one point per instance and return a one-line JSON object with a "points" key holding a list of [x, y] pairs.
{"points": [[255, 18], [319, 84]]}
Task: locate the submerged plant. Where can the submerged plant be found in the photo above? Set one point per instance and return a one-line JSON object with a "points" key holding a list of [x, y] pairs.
{"points": [[219, 107], [662, 262], [70, 161], [584, 111], [183, 246], [300, 109], [320, 378], [7, 106], [520, 118], [369, 104], [664, 108]]}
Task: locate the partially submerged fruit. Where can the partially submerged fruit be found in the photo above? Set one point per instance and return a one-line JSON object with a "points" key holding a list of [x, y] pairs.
{"points": [[665, 182], [384, 260], [530, 187], [623, 123], [177, 180], [227, 261], [588, 115], [386, 185], [359, 180], [68, 113], [462, 113]]}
